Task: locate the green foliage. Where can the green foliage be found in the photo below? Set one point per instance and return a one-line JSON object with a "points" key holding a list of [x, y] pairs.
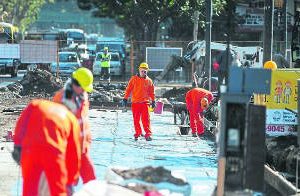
{"points": [[141, 19], [21, 13]]}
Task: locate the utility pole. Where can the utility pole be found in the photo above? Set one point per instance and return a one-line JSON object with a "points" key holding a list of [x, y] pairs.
{"points": [[230, 9], [285, 7], [195, 35], [208, 41], [268, 30]]}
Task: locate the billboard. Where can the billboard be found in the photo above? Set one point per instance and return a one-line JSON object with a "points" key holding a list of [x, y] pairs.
{"points": [[281, 104], [158, 57], [38, 51], [11, 51]]}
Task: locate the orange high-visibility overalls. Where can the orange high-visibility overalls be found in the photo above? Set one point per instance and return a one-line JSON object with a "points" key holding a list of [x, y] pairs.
{"points": [[193, 103], [142, 92], [49, 136]]}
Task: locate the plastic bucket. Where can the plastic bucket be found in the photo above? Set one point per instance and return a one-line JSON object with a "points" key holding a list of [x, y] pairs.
{"points": [[184, 129], [9, 136], [159, 108]]}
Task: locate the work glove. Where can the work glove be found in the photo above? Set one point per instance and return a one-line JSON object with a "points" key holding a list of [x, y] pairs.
{"points": [[153, 104], [16, 154], [70, 190], [124, 102]]}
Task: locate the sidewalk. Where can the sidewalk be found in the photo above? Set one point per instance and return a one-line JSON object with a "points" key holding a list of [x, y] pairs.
{"points": [[10, 173]]}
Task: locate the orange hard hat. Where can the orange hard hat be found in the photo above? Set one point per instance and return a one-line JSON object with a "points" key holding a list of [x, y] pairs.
{"points": [[204, 103]]}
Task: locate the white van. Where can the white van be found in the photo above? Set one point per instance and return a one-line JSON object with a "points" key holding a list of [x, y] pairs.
{"points": [[115, 64]]}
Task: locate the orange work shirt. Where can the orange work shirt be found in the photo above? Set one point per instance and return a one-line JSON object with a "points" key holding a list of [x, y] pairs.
{"points": [[141, 89]]}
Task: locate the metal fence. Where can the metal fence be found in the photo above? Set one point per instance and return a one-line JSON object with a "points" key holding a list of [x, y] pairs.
{"points": [[50, 55]]}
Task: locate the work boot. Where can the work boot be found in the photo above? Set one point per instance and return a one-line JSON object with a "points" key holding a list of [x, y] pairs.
{"points": [[200, 134], [149, 138], [194, 135], [136, 138]]}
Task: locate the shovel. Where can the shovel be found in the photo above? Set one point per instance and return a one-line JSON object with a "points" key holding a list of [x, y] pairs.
{"points": [[124, 109]]}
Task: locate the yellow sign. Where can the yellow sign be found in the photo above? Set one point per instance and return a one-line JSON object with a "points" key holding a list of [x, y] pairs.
{"points": [[283, 90]]}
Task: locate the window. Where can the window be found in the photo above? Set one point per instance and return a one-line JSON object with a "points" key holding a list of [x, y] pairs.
{"points": [[67, 57]]}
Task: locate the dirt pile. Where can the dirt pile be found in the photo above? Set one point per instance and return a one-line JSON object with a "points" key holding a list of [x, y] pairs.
{"points": [[150, 174], [150, 179], [282, 155], [40, 82], [105, 93]]}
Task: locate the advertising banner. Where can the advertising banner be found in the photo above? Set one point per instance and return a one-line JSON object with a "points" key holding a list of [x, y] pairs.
{"points": [[281, 104]]}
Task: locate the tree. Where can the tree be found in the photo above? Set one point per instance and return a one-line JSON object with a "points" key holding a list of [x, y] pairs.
{"points": [[21, 13], [141, 19]]}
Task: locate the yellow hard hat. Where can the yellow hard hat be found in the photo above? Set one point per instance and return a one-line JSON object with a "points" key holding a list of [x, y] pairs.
{"points": [[105, 48], [85, 78], [270, 65], [144, 66]]}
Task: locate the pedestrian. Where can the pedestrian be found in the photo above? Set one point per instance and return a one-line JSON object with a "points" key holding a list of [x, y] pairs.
{"points": [[141, 89], [76, 90], [225, 59], [197, 100], [105, 64], [47, 147]]}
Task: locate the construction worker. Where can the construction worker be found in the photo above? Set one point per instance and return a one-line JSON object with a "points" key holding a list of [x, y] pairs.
{"points": [[47, 146], [105, 64], [197, 100], [141, 89], [76, 90]]}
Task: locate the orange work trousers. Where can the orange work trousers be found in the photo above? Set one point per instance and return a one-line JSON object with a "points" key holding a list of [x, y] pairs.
{"points": [[34, 162], [87, 171], [196, 122], [140, 113]]}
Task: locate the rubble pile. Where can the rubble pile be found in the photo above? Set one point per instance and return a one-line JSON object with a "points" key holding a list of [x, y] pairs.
{"points": [[149, 179], [104, 93], [150, 174], [6, 94], [282, 154], [40, 82]]}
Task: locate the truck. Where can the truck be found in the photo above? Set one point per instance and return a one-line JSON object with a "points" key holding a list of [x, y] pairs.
{"points": [[9, 59]]}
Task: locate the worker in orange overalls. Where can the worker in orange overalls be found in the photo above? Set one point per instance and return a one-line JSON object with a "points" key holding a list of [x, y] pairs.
{"points": [[76, 90], [197, 101], [141, 89], [47, 143]]}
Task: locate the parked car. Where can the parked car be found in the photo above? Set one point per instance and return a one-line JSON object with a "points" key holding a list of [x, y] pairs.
{"points": [[116, 68], [9, 66], [68, 62]]}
